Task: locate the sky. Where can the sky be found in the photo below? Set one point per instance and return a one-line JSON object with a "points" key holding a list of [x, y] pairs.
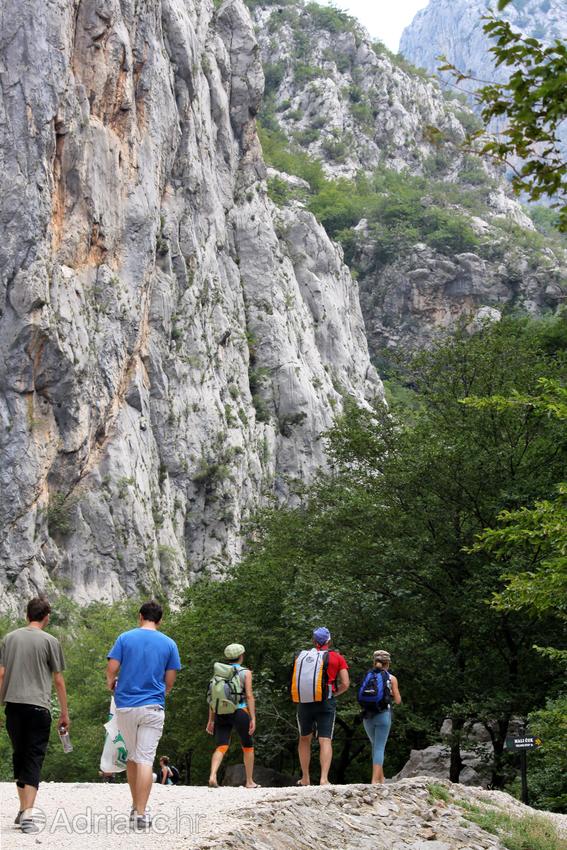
{"points": [[384, 19]]}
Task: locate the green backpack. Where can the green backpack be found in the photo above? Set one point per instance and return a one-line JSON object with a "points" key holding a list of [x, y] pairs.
{"points": [[226, 689]]}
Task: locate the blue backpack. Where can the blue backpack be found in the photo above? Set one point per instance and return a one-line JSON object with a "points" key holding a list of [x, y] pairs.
{"points": [[375, 693]]}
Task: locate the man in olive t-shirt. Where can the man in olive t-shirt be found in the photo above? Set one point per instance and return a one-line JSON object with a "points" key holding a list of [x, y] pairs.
{"points": [[30, 659]]}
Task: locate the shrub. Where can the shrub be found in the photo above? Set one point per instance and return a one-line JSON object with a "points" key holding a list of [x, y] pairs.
{"points": [[545, 219], [337, 206], [307, 137], [363, 113], [274, 75], [305, 73], [355, 94], [294, 115], [58, 515], [330, 19], [472, 172], [336, 149], [277, 153]]}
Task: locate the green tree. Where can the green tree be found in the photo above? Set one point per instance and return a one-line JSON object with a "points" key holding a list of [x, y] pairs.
{"points": [[378, 551], [532, 541], [548, 765]]}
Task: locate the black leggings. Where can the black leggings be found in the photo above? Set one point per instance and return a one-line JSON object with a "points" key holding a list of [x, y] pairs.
{"points": [[225, 723], [28, 727]]}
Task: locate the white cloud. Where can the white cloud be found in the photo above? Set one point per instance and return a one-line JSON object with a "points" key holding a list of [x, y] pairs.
{"points": [[384, 19]]}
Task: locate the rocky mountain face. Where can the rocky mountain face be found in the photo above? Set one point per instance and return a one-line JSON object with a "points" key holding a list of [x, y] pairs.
{"points": [[445, 238], [345, 99], [171, 343], [454, 28]]}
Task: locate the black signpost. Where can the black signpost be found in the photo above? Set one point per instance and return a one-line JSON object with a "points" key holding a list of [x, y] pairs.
{"points": [[522, 745]]}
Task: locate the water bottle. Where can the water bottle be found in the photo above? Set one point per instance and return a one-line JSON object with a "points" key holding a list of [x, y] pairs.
{"points": [[65, 739]]}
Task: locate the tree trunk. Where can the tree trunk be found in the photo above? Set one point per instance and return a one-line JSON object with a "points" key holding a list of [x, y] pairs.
{"points": [[347, 754], [498, 736], [188, 760], [456, 764]]}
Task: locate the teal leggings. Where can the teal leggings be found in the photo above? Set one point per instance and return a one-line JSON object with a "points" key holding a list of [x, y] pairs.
{"points": [[378, 728]]}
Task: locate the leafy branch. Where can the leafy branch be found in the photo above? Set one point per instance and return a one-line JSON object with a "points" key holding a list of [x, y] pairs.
{"points": [[534, 103]]}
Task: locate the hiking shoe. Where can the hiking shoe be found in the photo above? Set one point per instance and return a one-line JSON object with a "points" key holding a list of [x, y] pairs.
{"points": [[19, 817], [28, 825]]}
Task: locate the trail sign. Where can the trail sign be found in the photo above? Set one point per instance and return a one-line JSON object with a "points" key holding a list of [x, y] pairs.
{"points": [[526, 742]]}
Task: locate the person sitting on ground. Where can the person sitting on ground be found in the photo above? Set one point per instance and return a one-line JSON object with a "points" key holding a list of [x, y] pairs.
{"points": [[165, 775], [30, 661], [377, 708], [316, 698], [242, 718]]}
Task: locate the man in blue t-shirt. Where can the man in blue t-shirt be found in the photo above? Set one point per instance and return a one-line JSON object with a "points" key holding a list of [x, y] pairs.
{"points": [[148, 662]]}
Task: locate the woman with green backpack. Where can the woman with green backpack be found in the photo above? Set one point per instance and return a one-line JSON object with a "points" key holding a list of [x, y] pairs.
{"points": [[232, 706]]}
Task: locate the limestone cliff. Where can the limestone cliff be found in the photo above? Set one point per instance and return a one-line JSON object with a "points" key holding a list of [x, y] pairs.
{"points": [[171, 344]]}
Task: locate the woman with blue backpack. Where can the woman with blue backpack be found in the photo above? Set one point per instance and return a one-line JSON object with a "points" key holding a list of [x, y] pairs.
{"points": [[376, 693]]}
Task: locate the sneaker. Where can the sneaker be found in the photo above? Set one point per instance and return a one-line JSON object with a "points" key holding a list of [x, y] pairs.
{"points": [[28, 825], [19, 816], [144, 821]]}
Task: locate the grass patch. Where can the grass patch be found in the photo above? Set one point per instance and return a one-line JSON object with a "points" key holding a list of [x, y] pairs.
{"points": [[532, 832], [438, 792]]}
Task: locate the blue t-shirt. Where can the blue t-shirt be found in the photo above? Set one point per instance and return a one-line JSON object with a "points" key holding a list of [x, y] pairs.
{"points": [[144, 656]]}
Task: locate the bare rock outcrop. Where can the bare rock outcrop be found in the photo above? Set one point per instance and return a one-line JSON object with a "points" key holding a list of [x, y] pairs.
{"points": [[171, 346]]}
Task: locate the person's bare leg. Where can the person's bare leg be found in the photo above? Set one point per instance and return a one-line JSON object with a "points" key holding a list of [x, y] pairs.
{"points": [[325, 757], [216, 762], [27, 796], [144, 779], [132, 774], [248, 756], [20, 797], [304, 750], [377, 774]]}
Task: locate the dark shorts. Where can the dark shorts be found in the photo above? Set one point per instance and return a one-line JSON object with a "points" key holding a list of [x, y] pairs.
{"points": [[225, 723], [318, 717], [28, 727]]}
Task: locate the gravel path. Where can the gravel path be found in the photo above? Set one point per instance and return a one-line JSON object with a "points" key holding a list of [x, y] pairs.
{"points": [[184, 816], [398, 816]]}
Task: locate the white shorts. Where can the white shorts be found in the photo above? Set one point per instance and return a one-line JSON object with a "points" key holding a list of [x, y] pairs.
{"points": [[141, 728]]}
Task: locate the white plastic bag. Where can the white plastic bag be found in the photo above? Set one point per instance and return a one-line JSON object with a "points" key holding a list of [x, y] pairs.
{"points": [[114, 753]]}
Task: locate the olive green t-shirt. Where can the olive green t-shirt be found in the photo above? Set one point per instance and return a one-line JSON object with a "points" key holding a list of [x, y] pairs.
{"points": [[30, 656]]}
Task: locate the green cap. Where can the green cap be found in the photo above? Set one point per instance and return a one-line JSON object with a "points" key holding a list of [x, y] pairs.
{"points": [[233, 651]]}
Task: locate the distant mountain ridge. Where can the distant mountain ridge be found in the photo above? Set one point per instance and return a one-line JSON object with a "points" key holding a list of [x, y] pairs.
{"points": [[454, 28]]}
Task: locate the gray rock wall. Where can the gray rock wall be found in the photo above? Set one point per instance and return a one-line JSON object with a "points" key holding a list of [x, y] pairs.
{"points": [[171, 345]]}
